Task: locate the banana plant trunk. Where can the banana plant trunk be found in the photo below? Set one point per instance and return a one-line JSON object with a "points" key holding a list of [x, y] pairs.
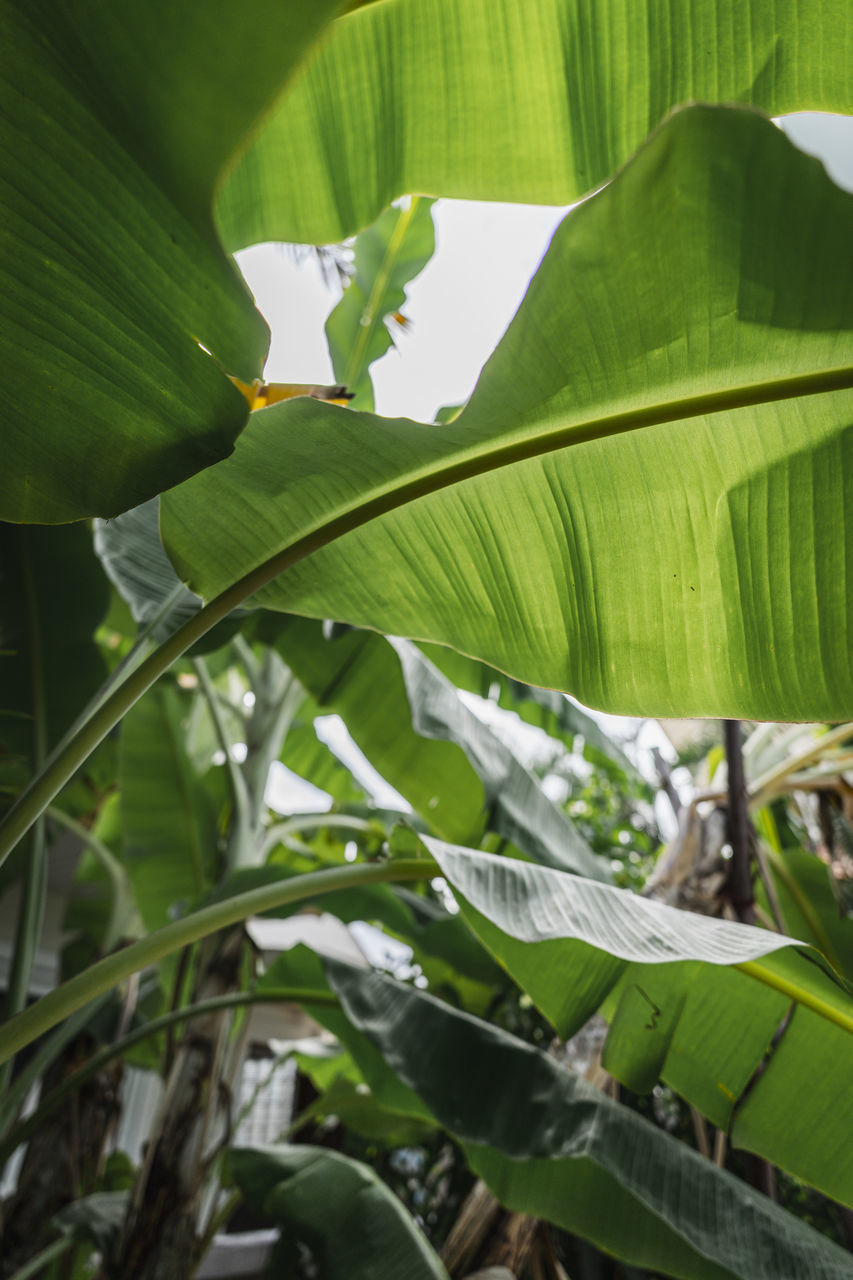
{"points": [[486, 1235], [160, 1238], [63, 1159]]}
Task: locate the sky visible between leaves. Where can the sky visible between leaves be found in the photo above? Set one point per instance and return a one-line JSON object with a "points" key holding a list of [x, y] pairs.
{"points": [[458, 307], [464, 299]]}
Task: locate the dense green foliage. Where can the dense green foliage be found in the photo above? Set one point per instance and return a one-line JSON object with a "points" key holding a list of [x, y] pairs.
{"points": [[644, 504]]}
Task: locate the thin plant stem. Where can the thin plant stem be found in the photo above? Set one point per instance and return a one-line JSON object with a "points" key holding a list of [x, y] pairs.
{"points": [[38, 1265], [700, 1130], [219, 1219], [769, 886], [252, 667], [279, 832], [122, 910], [30, 1023], [33, 899], [236, 781], [739, 885]]}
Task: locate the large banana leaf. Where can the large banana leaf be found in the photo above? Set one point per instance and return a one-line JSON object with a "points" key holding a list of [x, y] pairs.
{"points": [[674, 561], [501, 101], [356, 1227], [551, 1145], [722, 1037], [117, 125]]}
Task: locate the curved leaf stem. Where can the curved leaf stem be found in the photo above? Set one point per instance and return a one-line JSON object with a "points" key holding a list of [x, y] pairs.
{"points": [[464, 465], [122, 908], [278, 833], [30, 1023], [31, 908], [797, 992], [235, 1000]]}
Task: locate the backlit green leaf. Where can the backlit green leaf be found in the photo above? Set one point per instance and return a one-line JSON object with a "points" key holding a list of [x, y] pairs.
{"points": [[672, 560], [493, 100]]}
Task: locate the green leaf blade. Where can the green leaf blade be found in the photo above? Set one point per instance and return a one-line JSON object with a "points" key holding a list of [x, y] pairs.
{"points": [[551, 1145], [114, 289], [628, 569], [706, 1032], [358, 1227], [492, 102], [387, 256]]}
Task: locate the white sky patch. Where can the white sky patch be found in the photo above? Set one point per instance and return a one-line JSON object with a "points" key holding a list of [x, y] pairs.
{"points": [[463, 300], [461, 303], [459, 306], [287, 793], [828, 137], [333, 732]]}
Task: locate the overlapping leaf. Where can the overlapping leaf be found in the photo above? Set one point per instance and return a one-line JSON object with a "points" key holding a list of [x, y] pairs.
{"points": [[674, 561], [547, 709], [499, 101], [372, 683], [117, 127], [132, 554], [358, 676], [550, 1145], [357, 1228], [681, 1008]]}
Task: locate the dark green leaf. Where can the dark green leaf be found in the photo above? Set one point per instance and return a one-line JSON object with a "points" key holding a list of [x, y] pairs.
{"points": [[117, 125], [355, 1226], [550, 1145], [53, 596]]}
